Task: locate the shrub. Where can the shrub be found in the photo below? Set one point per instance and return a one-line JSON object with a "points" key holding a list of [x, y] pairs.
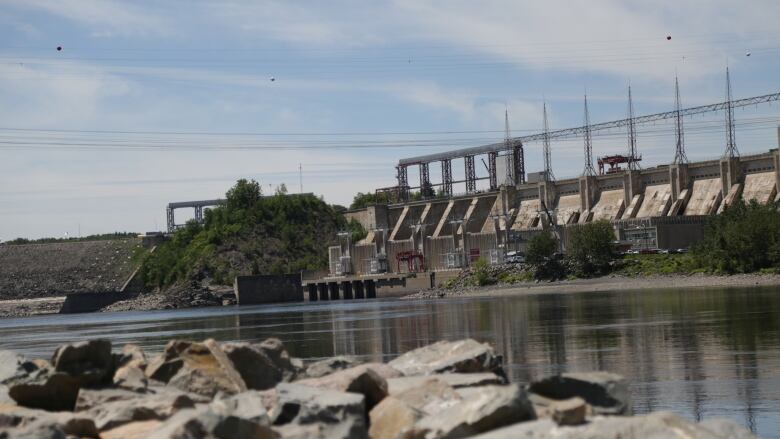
{"points": [[482, 274], [743, 239], [590, 248], [541, 248]]}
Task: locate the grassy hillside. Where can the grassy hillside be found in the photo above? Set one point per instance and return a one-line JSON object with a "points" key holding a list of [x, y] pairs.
{"points": [[250, 234]]}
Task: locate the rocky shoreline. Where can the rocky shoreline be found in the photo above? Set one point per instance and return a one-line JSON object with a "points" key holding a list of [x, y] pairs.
{"points": [[449, 389]]}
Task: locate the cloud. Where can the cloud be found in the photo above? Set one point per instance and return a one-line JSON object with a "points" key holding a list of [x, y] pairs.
{"points": [[106, 18]]}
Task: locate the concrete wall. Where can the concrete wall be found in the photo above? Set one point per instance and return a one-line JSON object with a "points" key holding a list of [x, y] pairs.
{"points": [[90, 302], [656, 201], [252, 290]]}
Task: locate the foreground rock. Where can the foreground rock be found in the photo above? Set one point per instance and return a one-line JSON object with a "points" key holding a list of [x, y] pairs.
{"points": [[606, 392], [655, 425], [463, 356], [257, 391]]}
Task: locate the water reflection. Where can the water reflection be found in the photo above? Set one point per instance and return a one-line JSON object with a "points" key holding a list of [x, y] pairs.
{"points": [[700, 353]]}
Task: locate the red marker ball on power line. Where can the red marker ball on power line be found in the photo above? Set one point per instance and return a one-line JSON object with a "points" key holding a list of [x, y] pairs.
{"points": [[668, 37], [59, 48]]}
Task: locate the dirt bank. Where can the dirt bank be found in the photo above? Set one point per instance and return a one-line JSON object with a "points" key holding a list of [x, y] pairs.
{"points": [[607, 283], [51, 270]]}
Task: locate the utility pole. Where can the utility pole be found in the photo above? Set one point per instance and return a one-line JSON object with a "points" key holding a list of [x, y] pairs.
{"points": [[731, 143], [589, 170], [510, 162], [548, 173], [679, 155], [633, 157]]}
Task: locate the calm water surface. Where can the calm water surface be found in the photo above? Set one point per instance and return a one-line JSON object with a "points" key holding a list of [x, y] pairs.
{"points": [[700, 353]]}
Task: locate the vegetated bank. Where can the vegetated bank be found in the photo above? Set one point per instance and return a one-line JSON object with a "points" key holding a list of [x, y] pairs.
{"points": [[249, 234], [741, 247]]}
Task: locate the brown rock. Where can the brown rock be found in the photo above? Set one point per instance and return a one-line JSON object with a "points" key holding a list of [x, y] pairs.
{"points": [[392, 418], [570, 411], [133, 430], [89, 359], [606, 392], [131, 355], [330, 365], [258, 371], [201, 368]]}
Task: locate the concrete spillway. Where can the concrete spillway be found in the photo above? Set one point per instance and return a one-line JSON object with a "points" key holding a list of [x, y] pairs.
{"points": [[656, 201], [610, 205], [705, 197]]}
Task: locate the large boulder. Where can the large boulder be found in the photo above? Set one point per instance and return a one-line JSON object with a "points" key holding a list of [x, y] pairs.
{"points": [[257, 369], [481, 410], [463, 356], [274, 349], [655, 425], [73, 366], [396, 415], [111, 408], [91, 360], [367, 379], [247, 405], [201, 368], [131, 377], [606, 392], [330, 365], [131, 355], [337, 414]]}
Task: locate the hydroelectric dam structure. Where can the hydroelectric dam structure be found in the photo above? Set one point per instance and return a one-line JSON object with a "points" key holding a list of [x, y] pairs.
{"points": [[426, 227]]}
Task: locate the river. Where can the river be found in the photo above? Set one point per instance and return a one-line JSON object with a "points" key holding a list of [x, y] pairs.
{"points": [[700, 353]]}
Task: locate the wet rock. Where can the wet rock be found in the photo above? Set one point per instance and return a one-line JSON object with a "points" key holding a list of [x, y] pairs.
{"points": [[456, 380], [131, 377], [606, 392], [330, 365], [366, 379], [258, 371], [485, 409], [569, 411], [201, 368], [463, 356], [655, 425], [205, 423], [340, 414]]}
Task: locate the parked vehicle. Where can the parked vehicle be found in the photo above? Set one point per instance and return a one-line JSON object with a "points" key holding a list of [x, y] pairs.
{"points": [[514, 257]]}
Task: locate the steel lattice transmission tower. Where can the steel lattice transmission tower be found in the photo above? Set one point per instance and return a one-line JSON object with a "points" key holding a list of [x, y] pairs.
{"points": [[589, 170], [510, 162], [633, 162], [548, 173], [731, 143], [679, 154]]}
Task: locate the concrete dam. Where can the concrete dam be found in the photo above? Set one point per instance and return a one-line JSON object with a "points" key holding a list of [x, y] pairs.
{"points": [[660, 207]]}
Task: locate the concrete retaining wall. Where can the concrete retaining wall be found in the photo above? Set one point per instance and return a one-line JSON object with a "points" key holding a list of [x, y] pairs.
{"points": [[273, 288], [91, 302]]}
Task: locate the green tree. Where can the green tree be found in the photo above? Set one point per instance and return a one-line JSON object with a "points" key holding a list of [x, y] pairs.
{"points": [[590, 248], [541, 248], [482, 274], [362, 200], [244, 194], [743, 239]]}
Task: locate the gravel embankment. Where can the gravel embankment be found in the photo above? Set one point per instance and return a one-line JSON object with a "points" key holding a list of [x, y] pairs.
{"points": [[51, 270]]}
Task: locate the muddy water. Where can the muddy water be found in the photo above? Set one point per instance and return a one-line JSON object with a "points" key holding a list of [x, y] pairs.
{"points": [[700, 353]]}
